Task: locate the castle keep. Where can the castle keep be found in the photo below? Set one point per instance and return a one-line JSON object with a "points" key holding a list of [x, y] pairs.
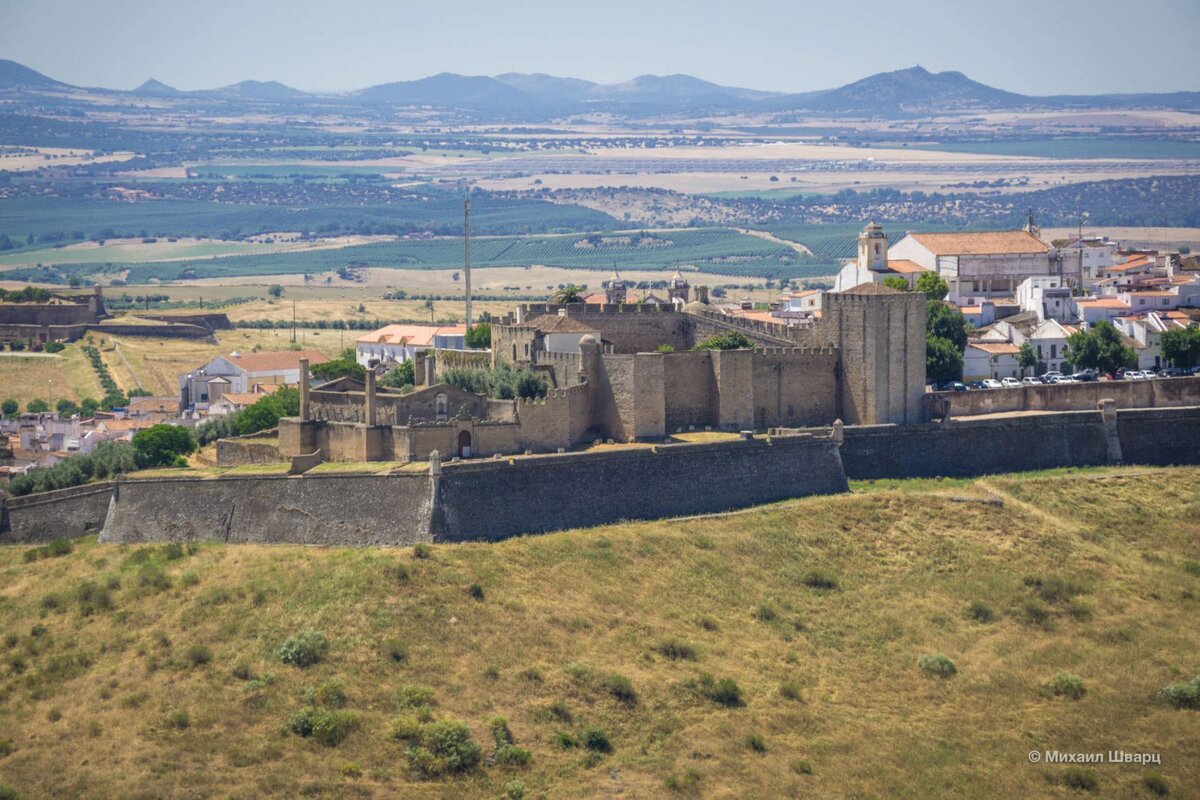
{"points": [[629, 373]]}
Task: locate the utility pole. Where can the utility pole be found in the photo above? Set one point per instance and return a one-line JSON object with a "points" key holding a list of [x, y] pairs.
{"points": [[467, 259], [293, 319]]}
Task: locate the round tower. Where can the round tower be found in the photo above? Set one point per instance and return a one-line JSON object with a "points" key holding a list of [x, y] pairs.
{"points": [[872, 248]]}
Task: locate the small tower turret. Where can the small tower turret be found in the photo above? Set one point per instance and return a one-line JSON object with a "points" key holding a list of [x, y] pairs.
{"points": [[872, 248], [678, 289], [616, 290]]}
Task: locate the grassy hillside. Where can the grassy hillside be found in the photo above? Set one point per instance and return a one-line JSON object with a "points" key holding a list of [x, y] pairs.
{"points": [[764, 654]]}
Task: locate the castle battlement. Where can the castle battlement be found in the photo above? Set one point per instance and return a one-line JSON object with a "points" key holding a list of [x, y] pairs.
{"points": [[825, 350]]}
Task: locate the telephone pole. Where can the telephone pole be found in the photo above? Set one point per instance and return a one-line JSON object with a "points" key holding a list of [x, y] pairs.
{"points": [[467, 259]]}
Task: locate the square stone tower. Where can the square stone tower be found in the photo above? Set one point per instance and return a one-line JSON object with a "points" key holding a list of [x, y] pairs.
{"points": [[880, 335]]}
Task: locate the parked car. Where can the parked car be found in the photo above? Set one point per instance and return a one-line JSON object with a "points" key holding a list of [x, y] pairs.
{"points": [[1010, 383], [1087, 376], [1049, 377], [1172, 372], [1134, 375], [1029, 380], [992, 383], [976, 385]]}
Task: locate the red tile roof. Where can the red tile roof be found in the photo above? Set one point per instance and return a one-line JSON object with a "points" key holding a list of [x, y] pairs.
{"points": [[415, 335], [275, 360]]}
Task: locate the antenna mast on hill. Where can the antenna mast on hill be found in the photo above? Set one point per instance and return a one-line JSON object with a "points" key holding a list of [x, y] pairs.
{"points": [[467, 258]]}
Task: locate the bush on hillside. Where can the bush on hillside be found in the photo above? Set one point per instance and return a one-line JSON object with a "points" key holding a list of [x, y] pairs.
{"points": [[160, 445], [304, 649], [937, 665], [444, 747]]}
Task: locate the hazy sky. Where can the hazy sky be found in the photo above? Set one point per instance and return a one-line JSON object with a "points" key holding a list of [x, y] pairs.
{"points": [[1032, 46]]}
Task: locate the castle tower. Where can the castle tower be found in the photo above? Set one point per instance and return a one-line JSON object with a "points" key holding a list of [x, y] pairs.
{"points": [[616, 290], [678, 289], [872, 248]]}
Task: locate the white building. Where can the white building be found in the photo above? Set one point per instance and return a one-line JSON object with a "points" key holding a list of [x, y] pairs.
{"points": [[875, 263], [1095, 254], [805, 303], [1048, 296], [238, 373], [399, 343], [984, 264], [562, 334], [982, 360]]}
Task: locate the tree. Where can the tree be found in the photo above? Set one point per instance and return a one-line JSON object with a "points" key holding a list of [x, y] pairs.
{"points": [[10, 407], [479, 336], [1026, 358], [37, 406], [1181, 346], [943, 360], [266, 412], [404, 374], [160, 445], [734, 340], [344, 366], [569, 294], [275, 291], [896, 282], [1100, 348], [933, 286], [946, 322], [66, 408]]}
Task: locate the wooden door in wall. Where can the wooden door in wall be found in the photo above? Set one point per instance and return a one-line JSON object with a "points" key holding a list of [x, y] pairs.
{"points": [[464, 444]]}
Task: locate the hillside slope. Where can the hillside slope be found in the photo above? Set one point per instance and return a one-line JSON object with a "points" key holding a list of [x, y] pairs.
{"points": [[154, 671]]}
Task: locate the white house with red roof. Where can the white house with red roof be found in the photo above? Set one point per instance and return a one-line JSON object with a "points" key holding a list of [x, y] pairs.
{"points": [[239, 372], [399, 343]]}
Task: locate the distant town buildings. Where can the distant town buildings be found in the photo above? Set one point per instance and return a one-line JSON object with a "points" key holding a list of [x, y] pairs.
{"points": [[395, 344], [238, 373]]}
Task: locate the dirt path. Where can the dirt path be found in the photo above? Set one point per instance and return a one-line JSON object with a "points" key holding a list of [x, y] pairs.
{"points": [[770, 237], [133, 373]]}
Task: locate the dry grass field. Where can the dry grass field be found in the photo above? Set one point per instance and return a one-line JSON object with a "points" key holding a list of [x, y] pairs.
{"points": [[25, 377], [770, 653]]}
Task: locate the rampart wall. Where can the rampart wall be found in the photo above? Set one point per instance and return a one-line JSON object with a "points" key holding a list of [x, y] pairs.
{"points": [[1163, 393], [61, 514]]}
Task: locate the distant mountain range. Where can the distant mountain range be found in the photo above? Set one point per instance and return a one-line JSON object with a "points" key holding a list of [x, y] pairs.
{"points": [[536, 96]]}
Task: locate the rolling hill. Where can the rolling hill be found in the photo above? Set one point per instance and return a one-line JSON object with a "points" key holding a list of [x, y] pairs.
{"points": [[913, 639], [538, 96]]}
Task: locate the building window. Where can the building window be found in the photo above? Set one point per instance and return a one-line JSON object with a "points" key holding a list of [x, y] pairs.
{"points": [[441, 403], [1054, 351]]}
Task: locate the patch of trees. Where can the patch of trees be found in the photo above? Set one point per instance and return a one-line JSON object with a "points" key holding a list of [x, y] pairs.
{"points": [[1102, 348], [1181, 346], [502, 382], [344, 366], [733, 340], [108, 459], [945, 342]]}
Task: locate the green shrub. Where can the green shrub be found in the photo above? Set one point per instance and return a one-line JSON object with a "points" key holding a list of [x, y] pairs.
{"points": [[56, 549], [172, 551], [413, 696], [1079, 778], [1182, 695], [189, 578], [802, 767], [764, 613], [937, 664], [242, 671], [1192, 568], [1064, 684], [178, 719], [398, 572], [512, 756], [756, 742], [329, 728], [51, 602], [330, 694], [981, 612], [558, 710], [621, 688], [789, 690], [394, 650], [92, 598], [514, 790], [198, 655], [304, 649], [422, 551], [6, 747], [1035, 612], [476, 591], [688, 783], [406, 728], [724, 692], [154, 578], [676, 650], [1054, 589], [8, 793], [444, 747], [565, 740], [1156, 783], [819, 579], [597, 740]]}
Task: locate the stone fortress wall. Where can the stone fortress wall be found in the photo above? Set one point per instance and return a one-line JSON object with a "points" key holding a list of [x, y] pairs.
{"points": [[488, 499]]}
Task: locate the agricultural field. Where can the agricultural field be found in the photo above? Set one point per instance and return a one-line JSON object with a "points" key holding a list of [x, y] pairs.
{"points": [[711, 250], [47, 376], [1075, 147], [905, 640]]}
